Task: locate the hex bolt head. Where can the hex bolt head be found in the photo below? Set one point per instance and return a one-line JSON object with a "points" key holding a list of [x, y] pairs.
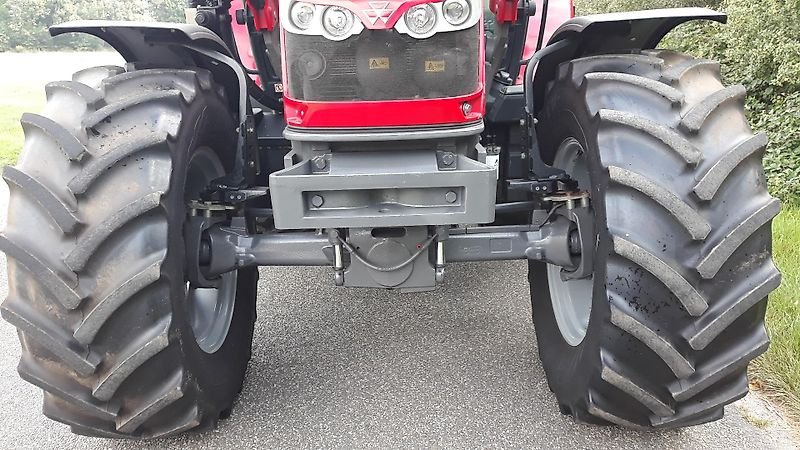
{"points": [[450, 197], [319, 162], [317, 201], [448, 159]]}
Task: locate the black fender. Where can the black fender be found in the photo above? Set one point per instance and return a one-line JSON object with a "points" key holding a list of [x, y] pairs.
{"points": [[610, 33], [181, 46], [169, 45]]}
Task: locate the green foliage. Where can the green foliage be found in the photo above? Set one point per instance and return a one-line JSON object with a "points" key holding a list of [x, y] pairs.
{"points": [[24, 23], [760, 48]]}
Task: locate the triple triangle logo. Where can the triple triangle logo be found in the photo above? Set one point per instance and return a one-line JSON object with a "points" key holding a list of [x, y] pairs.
{"points": [[378, 11]]}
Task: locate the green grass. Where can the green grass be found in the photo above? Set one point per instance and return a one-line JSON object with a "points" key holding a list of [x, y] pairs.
{"points": [[778, 370], [17, 98]]}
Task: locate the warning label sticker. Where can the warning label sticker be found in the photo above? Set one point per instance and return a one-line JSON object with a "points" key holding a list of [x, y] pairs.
{"points": [[378, 63], [434, 66]]}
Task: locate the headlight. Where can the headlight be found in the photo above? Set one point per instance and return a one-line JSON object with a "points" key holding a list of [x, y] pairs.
{"points": [[302, 14], [420, 19], [337, 21], [456, 11]]}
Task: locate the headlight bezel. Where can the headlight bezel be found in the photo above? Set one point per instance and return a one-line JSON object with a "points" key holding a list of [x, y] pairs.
{"points": [[350, 20], [429, 26], [466, 11], [292, 16]]}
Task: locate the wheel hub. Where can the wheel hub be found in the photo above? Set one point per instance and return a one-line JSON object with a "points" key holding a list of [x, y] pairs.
{"points": [[210, 301], [571, 298]]}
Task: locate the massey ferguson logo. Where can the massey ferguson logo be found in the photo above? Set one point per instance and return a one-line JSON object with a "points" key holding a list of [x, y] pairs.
{"points": [[378, 11]]}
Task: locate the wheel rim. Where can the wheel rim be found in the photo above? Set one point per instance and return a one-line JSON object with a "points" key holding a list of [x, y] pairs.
{"points": [[211, 311], [210, 308], [571, 299]]}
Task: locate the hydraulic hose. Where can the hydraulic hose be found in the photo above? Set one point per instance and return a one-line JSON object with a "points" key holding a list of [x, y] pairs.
{"points": [[530, 68]]}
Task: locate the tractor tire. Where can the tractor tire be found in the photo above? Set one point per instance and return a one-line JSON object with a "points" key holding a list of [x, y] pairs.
{"points": [[95, 248], [661, 335]]}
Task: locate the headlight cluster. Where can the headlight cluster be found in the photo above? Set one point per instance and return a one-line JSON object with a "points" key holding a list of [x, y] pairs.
{"points": [[456, 11], [336, 21], [420, 21]]}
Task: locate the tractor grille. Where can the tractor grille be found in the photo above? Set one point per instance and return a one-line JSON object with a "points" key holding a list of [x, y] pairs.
{"points": [[382, 65]]}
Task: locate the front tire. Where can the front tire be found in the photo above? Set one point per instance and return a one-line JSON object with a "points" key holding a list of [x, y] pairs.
{"points": [[95, 246], [682, 263]]}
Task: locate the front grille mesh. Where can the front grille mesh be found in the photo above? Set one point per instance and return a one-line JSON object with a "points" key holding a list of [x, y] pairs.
{"points": [[382, 65]]}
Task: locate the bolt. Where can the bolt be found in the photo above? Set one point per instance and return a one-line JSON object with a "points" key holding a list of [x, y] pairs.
{"points": [[319, 162], [448, 158], [202, 18], [450, 197], [317, 201]]}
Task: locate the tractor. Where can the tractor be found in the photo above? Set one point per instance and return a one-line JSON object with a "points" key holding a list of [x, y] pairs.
{"points": [[386, 140]]}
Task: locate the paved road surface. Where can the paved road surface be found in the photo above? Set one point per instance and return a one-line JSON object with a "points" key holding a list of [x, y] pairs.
{"points": [[355, 368]]}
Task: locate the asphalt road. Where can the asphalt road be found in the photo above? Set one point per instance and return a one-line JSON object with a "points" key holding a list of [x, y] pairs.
{"points": [[337, 367]]}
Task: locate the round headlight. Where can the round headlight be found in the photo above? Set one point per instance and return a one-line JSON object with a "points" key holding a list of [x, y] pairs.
{"points": [[420, 19], [302, 14], [337, 21], [456, 11]]}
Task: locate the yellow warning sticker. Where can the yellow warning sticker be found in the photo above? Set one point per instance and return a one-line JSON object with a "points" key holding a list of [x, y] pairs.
{"points": [[378, 63], [434, 66]]}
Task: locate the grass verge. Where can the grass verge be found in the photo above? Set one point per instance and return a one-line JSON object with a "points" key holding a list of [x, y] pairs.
{"points": [[17, 98], [777, 372]]}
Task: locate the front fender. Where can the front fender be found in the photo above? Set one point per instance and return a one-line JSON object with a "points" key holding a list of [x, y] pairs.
{"points": [[168, 45], [612, 33]]}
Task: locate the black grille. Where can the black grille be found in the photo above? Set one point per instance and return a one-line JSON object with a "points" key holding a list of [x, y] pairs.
{"points": [[382, 65]]}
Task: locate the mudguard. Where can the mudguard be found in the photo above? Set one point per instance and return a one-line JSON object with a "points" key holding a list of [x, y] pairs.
{"points": [[168, 45], [611, 33]]}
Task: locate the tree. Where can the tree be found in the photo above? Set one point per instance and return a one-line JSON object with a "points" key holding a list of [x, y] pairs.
{"points": [[24, 24]]}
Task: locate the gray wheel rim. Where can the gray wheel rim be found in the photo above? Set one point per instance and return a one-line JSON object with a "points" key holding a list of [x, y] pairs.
{"points": [[211, 311], [210, 308], [571, 299]]}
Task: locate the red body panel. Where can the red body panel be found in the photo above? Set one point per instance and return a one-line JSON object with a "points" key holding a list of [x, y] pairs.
{"points": [[504, 10], [264, 19], [420, 112], [396, 113], [392, 113]]}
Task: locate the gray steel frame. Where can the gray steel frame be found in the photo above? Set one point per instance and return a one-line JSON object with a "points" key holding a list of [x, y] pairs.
{"points": [[233, 248], [383, 189]]}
